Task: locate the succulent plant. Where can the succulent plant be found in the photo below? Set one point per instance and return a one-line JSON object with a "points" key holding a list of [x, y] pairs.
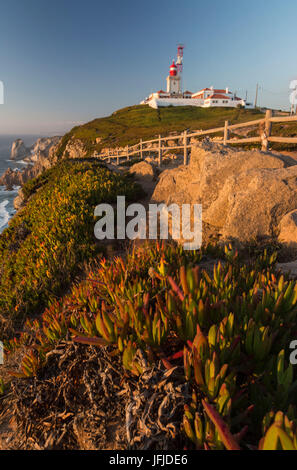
{"points": [[229, 329]]}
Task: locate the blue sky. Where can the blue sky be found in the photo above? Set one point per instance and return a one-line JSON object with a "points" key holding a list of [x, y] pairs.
{"points": [[66, 62]]}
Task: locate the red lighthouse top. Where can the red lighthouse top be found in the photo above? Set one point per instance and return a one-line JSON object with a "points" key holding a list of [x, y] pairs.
{"points": [[173, 69]]}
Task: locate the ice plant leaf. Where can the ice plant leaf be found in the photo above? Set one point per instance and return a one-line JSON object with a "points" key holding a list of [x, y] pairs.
{"points": [[277, 439], [227, 438], [91, 341]]}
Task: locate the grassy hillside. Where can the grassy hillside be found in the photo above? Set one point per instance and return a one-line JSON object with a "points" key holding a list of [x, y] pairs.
{"points": [[126, 126]]}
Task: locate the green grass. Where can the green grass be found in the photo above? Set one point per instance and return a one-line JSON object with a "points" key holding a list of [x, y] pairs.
{"points": [[128, 125], [284, 130], [287, 129]]}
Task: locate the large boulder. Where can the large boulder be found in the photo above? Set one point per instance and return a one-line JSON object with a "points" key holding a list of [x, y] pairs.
{"points": [[244, 194], [144, 173], [143, 169], [253, 204], [19, 150]]}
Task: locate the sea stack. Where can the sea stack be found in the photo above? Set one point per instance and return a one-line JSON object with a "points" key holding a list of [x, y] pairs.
{"points": [[19, 150]]}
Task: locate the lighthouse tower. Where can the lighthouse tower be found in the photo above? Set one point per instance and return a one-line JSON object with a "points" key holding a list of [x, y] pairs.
{"points": [[174, 81]]}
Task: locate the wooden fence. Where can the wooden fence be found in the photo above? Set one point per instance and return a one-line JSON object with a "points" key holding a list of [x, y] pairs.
{"points": [[159, 146]]}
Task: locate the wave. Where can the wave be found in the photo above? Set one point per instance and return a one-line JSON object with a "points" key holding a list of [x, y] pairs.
{"points": [[23, 162], [4, 214], [16, 162]]}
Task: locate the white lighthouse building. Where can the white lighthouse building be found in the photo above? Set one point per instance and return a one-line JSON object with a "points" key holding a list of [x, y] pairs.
{"points": [[205, 98], [174, 82]]}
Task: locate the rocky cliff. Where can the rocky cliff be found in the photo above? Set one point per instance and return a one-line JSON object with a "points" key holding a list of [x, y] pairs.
{"points": [[39, 157]]}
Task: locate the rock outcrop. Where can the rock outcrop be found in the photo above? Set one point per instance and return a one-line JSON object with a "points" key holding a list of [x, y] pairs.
{"points": [[42, 155], [42, 150], [18, 177], [18, 150], [19, 200], [288, 229], [244, 194], [75, 148]]}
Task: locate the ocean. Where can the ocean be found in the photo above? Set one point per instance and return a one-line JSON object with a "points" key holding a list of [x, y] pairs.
{"points": [[7, 197]]}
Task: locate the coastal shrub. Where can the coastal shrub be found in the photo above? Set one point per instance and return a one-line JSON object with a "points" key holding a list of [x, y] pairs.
{"points": [[46, 242], [227, 324]]}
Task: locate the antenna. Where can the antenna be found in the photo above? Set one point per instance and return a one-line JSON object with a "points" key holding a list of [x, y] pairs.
{"points": [[257, 92], [179, 61]]}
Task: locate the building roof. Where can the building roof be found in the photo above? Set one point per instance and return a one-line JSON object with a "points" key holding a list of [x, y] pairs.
{"points": [[218, 96], [214, 90]]}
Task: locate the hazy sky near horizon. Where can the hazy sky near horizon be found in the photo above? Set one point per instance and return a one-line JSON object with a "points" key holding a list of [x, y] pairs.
{"points": [[66, 62]]}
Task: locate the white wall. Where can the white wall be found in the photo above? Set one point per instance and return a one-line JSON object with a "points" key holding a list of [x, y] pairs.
{"points": [[221, 104], [161, 102]]}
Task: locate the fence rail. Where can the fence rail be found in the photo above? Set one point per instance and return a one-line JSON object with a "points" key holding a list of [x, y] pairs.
{"points": [[184, 142]]}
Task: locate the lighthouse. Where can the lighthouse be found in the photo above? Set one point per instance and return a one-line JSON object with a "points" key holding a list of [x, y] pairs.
{"points": [[174, 81], [205, 98]]}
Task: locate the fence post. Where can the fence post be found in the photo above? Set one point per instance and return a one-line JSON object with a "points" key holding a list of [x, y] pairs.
{"points": [[268, 124], [265, 131], [185, 148], [160, 151], [141, 151], [127, 153], [226, 132], [118, 160]]}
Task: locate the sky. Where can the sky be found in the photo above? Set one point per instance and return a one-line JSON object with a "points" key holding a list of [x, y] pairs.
{"points": [[66, 62]]}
